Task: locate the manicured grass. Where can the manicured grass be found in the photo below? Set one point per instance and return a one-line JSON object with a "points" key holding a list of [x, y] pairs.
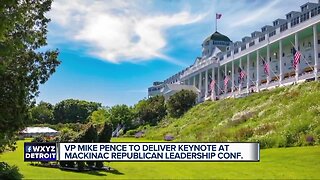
{"points": [[297, 162]]}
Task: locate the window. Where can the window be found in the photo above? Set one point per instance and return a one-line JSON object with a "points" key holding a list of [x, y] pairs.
{"points": [[264, 29], [288, 16], [272, 33], [284, 64], [283, 54], [309, 44], [276, 67], [243, 47], [295, 21], [262, 38], [251, 43], [284, 27], [252, 63], [304, 17]]}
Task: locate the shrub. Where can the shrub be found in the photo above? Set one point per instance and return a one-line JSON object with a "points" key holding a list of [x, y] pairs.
{"points": [[181, 102], [9, 172]]}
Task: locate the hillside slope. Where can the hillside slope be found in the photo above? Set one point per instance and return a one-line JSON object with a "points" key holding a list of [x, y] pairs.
{"points": [[286, 116]]}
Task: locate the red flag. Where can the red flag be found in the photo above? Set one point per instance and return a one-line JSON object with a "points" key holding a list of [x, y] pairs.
{"points": [[242, 74], [226, 80], [296, 57], [265, 67], [218, 16], [213, 82]]}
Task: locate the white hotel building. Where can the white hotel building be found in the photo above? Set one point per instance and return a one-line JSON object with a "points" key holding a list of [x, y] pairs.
{"points": [[274, 43]]}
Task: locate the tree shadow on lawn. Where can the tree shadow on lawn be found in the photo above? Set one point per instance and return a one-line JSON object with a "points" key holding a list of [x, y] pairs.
{"points": [[95, 172]]}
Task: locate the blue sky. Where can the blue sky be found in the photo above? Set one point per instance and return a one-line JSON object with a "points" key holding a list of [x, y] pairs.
{"points": [[112, 50]]}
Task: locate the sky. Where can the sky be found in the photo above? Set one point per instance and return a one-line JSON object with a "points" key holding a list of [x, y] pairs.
{"points": [[113, 50]]}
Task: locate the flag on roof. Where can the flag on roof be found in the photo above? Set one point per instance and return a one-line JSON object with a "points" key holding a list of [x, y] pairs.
{"points": [[218, 16]]}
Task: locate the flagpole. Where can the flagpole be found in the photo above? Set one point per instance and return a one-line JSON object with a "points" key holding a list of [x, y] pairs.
{"points": [[216, 23]]}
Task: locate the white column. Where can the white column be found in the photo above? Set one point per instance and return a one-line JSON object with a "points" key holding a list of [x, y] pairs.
{"points": [[258, 71], [218, 83], [200, 83], [225, 75], [206, 83], [232, 79], [315, 47], [194, 80], [240, 65], [296, 44], [280, 61], [268, 61], [248, 72], [213, 90]]}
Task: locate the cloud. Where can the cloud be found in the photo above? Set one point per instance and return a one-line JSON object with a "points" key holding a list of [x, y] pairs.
{"points": [[116, 30]]}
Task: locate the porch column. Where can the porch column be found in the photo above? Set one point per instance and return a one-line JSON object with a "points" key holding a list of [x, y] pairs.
{"points": [[315, 47], [206, 83], [248, 72], [258, 71], [240, 83], [218, 83], [296, 45], [225, 75], [280, 61], [232, 79], [213, 90], [200, 84], [268, 61]]}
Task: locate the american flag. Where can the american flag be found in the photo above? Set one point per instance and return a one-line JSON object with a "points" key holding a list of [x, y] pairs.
{"points": [[218, 16], [296, 57], [242, 74], [265, 67], [226, 80], [213, 82]]}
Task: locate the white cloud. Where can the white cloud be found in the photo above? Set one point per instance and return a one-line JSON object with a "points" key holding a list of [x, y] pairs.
{"points": [[117, 30]]}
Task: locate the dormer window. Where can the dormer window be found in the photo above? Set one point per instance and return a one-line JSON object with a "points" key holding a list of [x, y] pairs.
{"points": [[288, 16], [275, 23], [264, 29]]}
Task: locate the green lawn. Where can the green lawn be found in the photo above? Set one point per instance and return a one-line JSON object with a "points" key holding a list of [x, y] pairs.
{"points": [[298, 162]]}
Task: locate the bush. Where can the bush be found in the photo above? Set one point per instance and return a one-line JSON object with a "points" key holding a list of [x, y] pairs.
{"points": [[9, 172], [181, 102]]}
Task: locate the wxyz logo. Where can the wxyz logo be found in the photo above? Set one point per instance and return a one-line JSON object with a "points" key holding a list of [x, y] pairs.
{"points": [[41, 148]]}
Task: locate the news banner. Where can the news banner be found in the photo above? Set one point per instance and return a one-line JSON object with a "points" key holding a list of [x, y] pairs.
{"points": [[126, 152]]}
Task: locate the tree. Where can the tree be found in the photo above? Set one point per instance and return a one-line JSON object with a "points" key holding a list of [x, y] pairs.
{"points": [[104, 137], [122, 115], [23, 30], [71, 111], [150, 111], [99, 116], [181, 102], [42, 113]]}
